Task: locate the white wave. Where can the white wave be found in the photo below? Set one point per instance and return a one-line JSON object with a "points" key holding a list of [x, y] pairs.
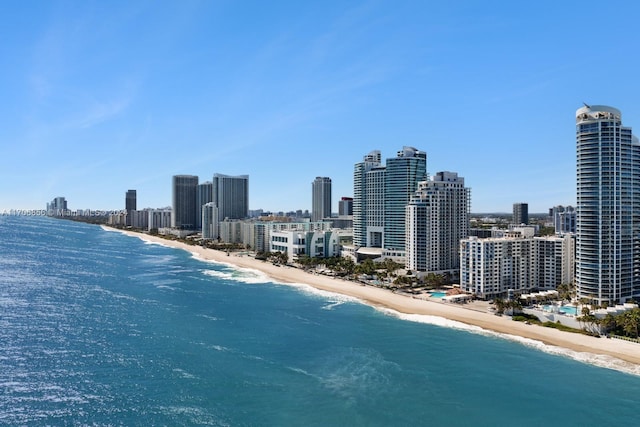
{"points": [[599, 360], [208, 317], [239, 275], [183, 373]]}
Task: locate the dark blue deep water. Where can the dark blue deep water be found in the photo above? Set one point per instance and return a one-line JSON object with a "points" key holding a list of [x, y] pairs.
{"points": [[97, 328]]}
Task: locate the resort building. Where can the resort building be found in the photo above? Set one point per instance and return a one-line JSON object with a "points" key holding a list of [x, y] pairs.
{"points": [[380, 194], [184, 209], [321, 199], [322, 244], [498, 267], [437, 219], [608, 207]]}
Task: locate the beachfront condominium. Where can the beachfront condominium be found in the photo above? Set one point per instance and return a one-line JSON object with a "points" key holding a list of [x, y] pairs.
{"points": [[184, 210], [437, 219], [608, 207], [231, 196], [130, 205], [321, 198], [520, 213], [380, 194], [500, 267], [203, 196]]}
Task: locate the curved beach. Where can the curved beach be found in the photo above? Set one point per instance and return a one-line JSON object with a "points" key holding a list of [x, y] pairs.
{"points": [[623, 350]]}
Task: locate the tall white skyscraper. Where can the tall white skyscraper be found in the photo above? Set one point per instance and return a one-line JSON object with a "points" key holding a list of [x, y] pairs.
{"points": [[437, 219], [321, 198], [184, 210], [608, 207]]}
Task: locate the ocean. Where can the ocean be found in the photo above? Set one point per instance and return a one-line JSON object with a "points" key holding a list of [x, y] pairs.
{"points": [[98, 328]]}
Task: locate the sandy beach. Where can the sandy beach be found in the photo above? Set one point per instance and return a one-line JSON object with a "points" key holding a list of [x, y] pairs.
{"points": [[625, 351]]}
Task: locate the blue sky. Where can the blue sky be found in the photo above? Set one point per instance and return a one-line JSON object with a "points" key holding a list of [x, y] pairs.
{"points": [[101, 97]]}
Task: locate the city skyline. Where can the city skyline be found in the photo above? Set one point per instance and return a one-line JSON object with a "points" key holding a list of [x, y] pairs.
{"points": [[99, 99]]}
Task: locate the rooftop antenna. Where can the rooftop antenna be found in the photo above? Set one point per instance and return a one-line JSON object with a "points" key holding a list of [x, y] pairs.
{"points": [[586, 105]]}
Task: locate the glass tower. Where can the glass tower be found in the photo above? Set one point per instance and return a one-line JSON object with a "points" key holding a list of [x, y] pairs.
{"points": [[608, 208]]}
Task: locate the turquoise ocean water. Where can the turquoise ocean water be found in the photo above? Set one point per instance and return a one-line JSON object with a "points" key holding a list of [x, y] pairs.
{"points": [[97, 328]]}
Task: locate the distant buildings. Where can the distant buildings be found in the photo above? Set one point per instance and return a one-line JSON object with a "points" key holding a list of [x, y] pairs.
{"points": [[380, 195], [520, 213], [184, 209], [321, 198], [57, 207], [437, 218], [345, 206], [159, 219], [563, 218], [608, 207]]}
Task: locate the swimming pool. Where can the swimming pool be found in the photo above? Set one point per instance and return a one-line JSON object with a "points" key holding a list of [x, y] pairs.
{"points": [[566, 309], [438, 294]]}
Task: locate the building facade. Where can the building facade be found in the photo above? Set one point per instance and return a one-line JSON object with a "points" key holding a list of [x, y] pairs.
{"points": [[437, 219], [321, 198], [608, 207], [159, 218], [563, 218]]}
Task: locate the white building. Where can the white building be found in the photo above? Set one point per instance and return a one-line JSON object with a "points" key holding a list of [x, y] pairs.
{"points": [[490, 268], [437, 218], [322, 244], [159, 218], [209, 221]]}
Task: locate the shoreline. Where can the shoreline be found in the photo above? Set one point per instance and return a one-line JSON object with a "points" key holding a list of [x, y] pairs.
{"points": [[624, 351]]}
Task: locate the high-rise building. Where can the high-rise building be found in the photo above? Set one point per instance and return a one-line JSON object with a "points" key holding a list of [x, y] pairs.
{"points": [[520, 213], [184, 209], [437, 218], [209, 221], [130, 204], [345, 206], [321, 198], [403, 173], [380, 194], [608, 206], [368, 201], [231, 195], [204, 196]]}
